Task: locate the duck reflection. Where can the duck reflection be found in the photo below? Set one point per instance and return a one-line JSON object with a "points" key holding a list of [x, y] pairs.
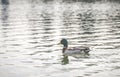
{"points": [[65, 60], [86, 55]]}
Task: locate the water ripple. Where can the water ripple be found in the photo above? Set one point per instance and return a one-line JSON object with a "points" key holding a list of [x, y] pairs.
{"points": [[29, 37]]}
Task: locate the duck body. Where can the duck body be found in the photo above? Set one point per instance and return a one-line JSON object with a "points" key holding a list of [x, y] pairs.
{"points": [[73, 50]]}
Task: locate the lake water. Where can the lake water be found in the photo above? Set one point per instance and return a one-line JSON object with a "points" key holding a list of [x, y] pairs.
{"points": [[30, 31]]}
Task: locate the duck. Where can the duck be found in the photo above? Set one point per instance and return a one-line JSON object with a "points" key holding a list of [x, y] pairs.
{"points": [[73, 50]]}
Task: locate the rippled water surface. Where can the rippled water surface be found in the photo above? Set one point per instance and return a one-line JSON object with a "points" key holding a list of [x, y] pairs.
{"points": [[30, 31]]}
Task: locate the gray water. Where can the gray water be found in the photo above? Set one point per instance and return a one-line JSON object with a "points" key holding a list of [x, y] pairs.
{"points": [[30, 31]]}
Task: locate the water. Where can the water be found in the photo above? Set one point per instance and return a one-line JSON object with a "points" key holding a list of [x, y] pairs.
{"points": [[30, 31]]}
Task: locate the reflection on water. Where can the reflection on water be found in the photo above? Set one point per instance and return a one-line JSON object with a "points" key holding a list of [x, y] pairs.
{"points": [[4, 11], [65, 60], [65, 57], [29, 34], [6, 2]]}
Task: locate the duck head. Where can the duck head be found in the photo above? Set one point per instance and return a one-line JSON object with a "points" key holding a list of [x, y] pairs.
{"points": [[64, 42]]}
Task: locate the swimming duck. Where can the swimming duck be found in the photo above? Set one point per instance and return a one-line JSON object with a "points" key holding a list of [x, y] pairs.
{"points": [[73, 50]]}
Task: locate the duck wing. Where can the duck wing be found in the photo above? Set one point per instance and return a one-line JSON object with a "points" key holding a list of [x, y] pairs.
{"points": [[77, 50]]}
